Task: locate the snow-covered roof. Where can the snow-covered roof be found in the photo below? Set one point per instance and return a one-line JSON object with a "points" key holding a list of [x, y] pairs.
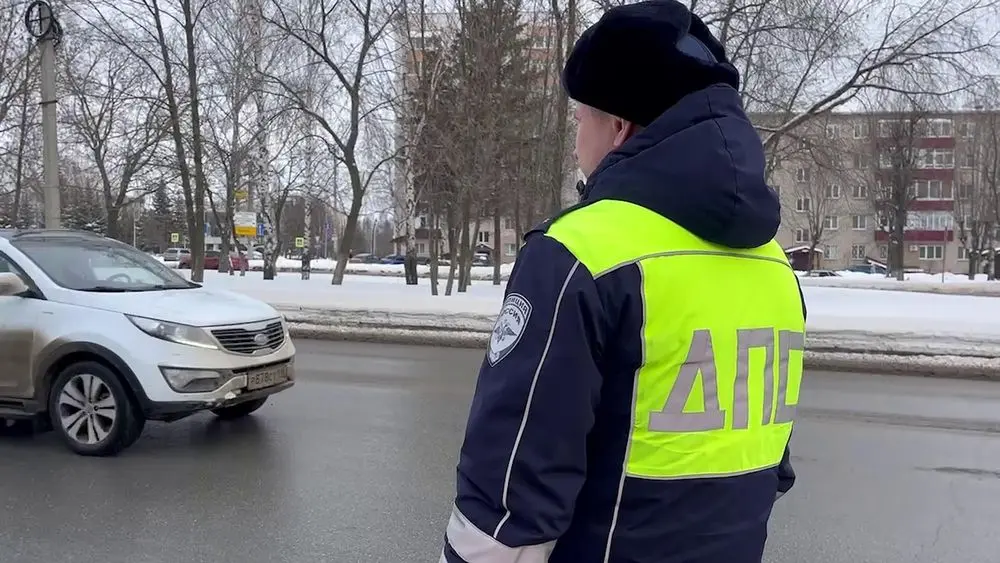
{"points": [[802, 248]]}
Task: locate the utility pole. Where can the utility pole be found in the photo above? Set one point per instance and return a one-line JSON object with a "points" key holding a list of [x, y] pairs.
{"points": [[43, 26]]}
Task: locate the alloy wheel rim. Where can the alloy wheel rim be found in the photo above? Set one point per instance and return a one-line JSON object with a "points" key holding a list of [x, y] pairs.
{"points": [[87, 409]]}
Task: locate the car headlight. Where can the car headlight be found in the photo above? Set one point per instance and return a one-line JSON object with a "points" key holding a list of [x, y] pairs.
{"points": [[174, 332]]}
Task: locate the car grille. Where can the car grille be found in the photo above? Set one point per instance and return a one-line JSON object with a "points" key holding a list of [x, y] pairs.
{"points": [[245, 339]]}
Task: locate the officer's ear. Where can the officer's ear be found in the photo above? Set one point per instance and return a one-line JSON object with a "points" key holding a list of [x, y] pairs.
{"points": [[624, 130]]}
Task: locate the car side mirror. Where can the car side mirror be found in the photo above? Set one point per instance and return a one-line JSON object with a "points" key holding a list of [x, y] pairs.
{"points": [[12, 284]]}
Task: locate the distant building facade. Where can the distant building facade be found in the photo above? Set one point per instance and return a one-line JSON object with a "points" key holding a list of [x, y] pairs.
{"points": [[830, 177]]}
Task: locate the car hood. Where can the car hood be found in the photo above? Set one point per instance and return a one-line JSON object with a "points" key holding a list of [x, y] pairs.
{"points": [[196, 306]]}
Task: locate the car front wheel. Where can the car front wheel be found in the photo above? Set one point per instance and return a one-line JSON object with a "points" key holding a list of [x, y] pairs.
{"points": [[239, 410], [92, 412]]}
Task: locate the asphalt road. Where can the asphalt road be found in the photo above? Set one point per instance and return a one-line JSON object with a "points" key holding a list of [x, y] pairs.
{"points": [[355, 464]]}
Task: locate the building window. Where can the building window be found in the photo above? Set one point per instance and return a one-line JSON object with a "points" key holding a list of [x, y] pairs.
{"points": [[862, 161], [484, 237], [421, 248], [859, 191], [859, 222], [832, 131], [936, 158], [883, 251], [862, 130], [967, 129], [939, 128], [422, 222], [963, 253], [831, 252], [931, 252], [508, 223], [831, 222], [833, 191], [965, 190], [969, 159], [931, 189], [801, 235], [803, 204], [888, 127], [858, 252], [930, 221], [803, 175], [510, 249]]}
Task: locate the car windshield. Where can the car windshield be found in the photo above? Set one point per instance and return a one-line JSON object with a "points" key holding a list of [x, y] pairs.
{"points": [[100, 265]]}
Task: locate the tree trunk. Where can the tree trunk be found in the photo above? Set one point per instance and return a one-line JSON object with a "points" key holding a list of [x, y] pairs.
{"points": [[22, 141], [350, 226], [464, 244], [496, 246], [432, 221], [306, 269], [198, 153], [409, 229], [452, 248], [180, 150]]}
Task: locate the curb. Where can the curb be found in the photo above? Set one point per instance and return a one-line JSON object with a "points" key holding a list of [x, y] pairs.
{"points": [[858, 361]]}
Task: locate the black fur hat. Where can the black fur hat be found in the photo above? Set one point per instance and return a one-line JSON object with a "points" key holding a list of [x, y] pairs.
{"points": [[640, 59]]}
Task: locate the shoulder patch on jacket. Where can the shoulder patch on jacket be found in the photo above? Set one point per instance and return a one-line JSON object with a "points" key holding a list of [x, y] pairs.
{"points": [[508, 328]]}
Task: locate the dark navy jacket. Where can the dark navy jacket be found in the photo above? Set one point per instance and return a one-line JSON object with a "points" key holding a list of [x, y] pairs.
{"points": [[542, 462]]}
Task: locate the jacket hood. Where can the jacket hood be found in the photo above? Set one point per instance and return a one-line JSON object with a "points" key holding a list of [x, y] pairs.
{"points": [[701, 165]]}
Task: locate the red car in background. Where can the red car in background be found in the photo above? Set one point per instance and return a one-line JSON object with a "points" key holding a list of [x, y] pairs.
{"points": [[212, 261]]}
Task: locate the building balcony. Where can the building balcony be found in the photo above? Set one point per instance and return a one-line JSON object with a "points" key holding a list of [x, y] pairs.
{"points": [[919, 236], [932, 205]]}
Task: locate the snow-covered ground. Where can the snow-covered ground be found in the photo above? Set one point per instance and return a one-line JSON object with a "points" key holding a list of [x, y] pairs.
{"points": [[845, 275], [930, 283], [831, 309], [958, 284]]}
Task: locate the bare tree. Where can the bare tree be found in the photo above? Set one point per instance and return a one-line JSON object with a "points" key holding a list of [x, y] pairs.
{"points": [[564, 31], [119, 119], [897, 159], [820, 200], [146, 29], [359, 71], [229, 86], [978, 199], [806, 58], [425, 36]]}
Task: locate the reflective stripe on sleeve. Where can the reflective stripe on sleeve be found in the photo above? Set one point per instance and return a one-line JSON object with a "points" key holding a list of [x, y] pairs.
{"points": [[476, 546]]}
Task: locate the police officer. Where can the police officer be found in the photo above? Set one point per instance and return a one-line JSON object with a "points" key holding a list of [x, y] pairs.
{"points": [[639, 388]]}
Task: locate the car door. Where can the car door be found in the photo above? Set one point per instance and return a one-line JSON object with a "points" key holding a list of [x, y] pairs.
{"points": [[18, 329]]}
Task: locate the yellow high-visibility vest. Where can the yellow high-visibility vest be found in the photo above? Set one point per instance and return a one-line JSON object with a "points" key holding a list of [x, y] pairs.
{"points": [[722, 337]]}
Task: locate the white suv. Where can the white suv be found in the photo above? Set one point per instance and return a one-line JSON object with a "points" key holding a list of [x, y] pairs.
{"points": [[97, 337]]}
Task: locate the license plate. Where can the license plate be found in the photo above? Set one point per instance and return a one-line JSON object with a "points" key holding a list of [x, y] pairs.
{"points": [[268, 377]]}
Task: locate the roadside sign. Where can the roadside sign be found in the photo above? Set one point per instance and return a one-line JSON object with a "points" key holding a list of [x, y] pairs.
{"points": [[175, 237], [261, 230], [245, 223], [300, 242]]}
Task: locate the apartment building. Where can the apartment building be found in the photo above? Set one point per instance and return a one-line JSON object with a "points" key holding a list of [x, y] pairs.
{"points": [[832, 177]]}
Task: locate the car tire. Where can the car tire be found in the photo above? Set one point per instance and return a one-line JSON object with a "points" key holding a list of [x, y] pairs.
{"points": [[239, 410], [92, 412]]}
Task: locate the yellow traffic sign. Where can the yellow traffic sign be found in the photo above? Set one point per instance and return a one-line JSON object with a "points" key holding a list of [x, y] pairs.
{"points": [[246, 231], [175, 237], [300, 242]]}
